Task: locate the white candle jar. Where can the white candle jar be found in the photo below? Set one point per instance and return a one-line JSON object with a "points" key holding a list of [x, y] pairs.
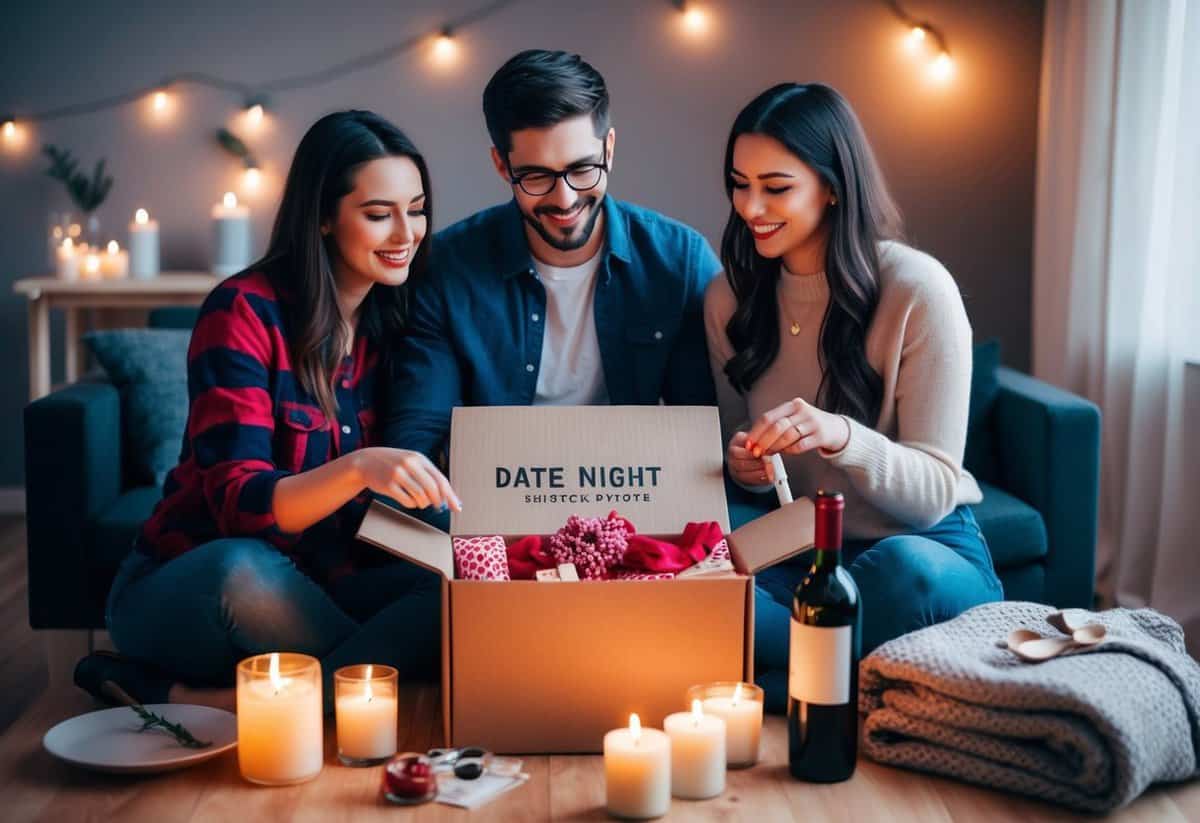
{"points": [[740, 705], [280, 718], [365, 703]]}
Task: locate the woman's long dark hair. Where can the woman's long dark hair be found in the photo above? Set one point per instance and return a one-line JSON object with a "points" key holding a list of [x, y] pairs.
{"points": [[817, 125], [298, 257]]}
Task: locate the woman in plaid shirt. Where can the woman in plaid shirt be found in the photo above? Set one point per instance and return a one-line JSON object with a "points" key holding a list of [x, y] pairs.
{"points": [[251, 548]]}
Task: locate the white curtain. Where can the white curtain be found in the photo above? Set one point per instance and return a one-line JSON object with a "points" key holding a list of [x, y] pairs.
{"points": [[1116, 300]]}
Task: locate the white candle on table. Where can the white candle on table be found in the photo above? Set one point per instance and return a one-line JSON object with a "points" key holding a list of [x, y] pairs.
{"points": [[66, 259], [637, 771], [366, 714], [697, 753], [742, 712], [143, 246], [114, 263], [91, 266], [280, 720], [231, 236]]}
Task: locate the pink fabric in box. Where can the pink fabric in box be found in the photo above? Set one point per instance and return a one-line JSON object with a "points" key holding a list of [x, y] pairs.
{"points": [[480, 558]]}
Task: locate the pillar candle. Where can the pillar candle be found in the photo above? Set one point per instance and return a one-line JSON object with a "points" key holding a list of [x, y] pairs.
{"points": [[143, 246], [114, 263], [280, 719], [365, 705], [67, 260], [697, 753], [231, 236], [637, 771], [740, 705], [91, 266]]}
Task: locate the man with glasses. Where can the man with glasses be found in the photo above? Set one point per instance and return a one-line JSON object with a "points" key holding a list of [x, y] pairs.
{"points": [[563, 295]]}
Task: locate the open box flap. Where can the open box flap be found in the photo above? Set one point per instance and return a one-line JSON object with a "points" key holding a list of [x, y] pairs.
{"points": [[773, 537], [407, 537], [523, 470]]}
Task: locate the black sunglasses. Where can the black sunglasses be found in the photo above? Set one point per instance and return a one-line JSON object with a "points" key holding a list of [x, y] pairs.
{"points": [[467, 763]]}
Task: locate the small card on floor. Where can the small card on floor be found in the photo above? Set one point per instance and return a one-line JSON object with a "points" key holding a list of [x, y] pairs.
{"points": [[471, 794]]}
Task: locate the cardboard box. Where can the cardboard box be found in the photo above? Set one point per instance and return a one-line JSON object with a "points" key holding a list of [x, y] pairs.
{"points": [[531, 667]]}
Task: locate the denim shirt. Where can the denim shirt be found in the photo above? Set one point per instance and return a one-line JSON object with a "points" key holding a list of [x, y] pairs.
{"points": [[474, 336]]}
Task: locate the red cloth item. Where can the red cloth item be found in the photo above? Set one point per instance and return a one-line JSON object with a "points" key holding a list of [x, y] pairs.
{"points": [[480, 558], [528, 555], [648, 554]]}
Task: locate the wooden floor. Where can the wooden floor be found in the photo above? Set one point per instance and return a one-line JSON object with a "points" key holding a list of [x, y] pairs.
{"points": [[35, 786]]}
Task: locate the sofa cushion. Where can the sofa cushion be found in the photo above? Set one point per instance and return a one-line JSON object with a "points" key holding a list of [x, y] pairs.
{"points": [[1014, 530], [149, 369], [980, 458]]}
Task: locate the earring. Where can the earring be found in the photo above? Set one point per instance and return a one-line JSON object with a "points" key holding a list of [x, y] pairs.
{"points": [[833, 201]]}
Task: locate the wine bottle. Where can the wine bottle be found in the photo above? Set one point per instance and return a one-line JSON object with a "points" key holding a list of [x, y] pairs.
{"points": [[823, 659]]}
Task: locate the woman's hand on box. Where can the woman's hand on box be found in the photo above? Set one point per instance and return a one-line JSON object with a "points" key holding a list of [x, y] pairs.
{"points": [[406, 476], [796, 427]]}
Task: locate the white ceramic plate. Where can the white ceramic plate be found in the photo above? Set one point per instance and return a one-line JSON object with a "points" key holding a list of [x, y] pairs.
{"points": [[110, 741]]}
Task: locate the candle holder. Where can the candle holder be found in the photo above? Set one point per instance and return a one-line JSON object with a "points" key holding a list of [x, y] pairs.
{"points": [[365, 700], [280, 718], [740, 705]]}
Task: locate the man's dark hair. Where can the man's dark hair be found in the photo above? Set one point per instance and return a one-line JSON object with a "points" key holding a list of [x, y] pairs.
{"points": [[539, 88]]}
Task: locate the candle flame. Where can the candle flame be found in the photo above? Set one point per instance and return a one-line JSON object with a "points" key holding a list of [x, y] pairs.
{"points": [[113, 247], [273, 672], [68, 245], [229, 200], [141, 217], [91, 263], [368, 690], [635, 727], [697, 712], [254, 114], [251, 178], [737, 694]]}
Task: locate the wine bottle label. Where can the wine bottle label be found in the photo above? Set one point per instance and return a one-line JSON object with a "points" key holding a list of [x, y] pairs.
{"points": [[819, 664]]}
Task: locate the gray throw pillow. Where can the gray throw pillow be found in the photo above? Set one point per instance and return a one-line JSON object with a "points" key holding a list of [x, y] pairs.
{"points": [[149, 369]]}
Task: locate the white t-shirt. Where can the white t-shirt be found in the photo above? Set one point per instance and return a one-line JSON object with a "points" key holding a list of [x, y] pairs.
{"points": [[571, 373]]}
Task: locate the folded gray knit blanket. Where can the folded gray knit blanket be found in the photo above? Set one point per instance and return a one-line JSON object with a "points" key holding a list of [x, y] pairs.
{"points": [[1090, 729]]}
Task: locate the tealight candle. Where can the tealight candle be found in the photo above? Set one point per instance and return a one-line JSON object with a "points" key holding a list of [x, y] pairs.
{"points": [[740, 705], [637, 771], [279, 718], [143, 246], [365, 705], [697, 753], [115, 261], [67, 260], [231, 236]]}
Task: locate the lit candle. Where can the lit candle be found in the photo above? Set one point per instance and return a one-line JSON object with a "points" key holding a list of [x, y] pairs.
{"points": [[115, 261], [143, 246], [231, 236], [67, 260], [740, 705], [365, 705], [91, 266], [637, 771], [279, 717], [697, 753]]}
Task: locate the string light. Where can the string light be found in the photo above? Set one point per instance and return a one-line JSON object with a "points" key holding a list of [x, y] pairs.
{"points": [[160, 101], [10, 128], [942, 68], [693, 18], [251, 178]]}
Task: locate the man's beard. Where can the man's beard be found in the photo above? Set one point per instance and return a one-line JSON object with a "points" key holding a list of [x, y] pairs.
{"points": [[582, 233]]}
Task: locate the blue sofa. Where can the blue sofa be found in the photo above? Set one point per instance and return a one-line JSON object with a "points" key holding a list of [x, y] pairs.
{"points": [[1034, 448]]}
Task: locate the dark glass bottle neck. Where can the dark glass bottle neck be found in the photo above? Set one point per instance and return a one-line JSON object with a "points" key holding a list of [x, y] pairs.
{"points": [[827, 559]]}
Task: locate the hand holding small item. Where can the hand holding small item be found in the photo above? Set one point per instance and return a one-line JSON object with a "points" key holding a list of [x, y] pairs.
{"points": [[796, 427], [407, 476]]}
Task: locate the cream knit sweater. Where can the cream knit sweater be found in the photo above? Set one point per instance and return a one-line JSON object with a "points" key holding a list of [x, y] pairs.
{"points": [[906, 473]]}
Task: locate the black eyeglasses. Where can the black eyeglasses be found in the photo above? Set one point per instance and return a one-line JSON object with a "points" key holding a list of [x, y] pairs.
{"points": [[579, 178]]}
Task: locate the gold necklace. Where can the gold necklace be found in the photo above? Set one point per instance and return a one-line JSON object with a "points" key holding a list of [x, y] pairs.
{"points": [[795, 327]]}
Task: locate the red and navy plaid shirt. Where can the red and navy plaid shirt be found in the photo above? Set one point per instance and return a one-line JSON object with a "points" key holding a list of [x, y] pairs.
{"points": [[250, 423]]}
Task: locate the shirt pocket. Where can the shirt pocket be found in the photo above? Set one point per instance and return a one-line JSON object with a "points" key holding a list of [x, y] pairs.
{"points": [[649, 347], [301, 437]]}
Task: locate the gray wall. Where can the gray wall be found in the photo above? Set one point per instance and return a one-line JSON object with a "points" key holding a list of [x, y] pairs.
{"points": [[960, 159]]}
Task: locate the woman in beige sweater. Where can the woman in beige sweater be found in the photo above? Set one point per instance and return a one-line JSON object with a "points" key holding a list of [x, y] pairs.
{"points": [[850, 354]]}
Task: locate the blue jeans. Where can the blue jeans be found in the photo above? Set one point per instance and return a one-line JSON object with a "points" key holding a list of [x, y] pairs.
{"points": [[197, 615], [906, 582]]}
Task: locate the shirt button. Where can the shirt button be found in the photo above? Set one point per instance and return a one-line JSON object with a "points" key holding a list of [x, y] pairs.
{"points": [[535, 317], [345, 429], [529, 367], [345, 384], [658, 335]]}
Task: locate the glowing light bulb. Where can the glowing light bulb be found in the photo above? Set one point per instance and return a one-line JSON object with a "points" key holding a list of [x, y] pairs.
{"points": [[160, 101], [251, 178], [942, 68], [141, 217], [229, 200], [10, 129], [254, 114], [445, 49], [695, 20], [915, 39]]}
